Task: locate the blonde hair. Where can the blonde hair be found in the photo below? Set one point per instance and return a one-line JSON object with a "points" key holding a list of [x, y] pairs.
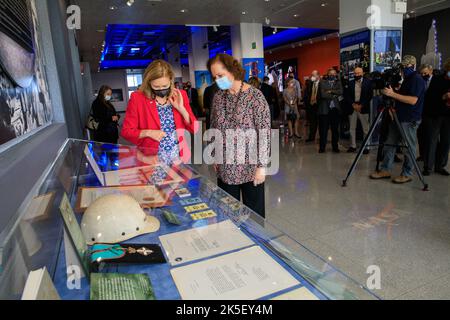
{"points": [[156, 70]]}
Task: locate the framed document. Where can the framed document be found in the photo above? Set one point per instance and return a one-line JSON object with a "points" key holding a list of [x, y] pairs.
{"points": [[148, 196], [204, 242], [248, 274], [299, 294]]}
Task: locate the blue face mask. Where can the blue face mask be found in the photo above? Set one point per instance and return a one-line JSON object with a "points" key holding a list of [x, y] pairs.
{"points": [[408, 71], [448, 74], [224, 83]]}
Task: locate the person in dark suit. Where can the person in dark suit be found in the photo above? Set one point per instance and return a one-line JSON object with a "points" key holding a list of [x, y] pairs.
{"points": [[329, 110], [107, 117], [426, 71], [358, 97], [194, 100], [436, 121], [270, 95], [208, 98], [312, 98]]}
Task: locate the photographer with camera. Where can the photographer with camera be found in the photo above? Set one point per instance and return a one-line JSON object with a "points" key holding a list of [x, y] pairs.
{"points": [[409, 100], [331, 92]]}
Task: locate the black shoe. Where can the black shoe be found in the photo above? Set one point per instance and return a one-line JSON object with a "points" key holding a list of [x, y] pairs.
{"points": [[351, 150], [309, 140], [336, 151], [397, 159], [443, 172], [322, 151], [291, 136], [426, 172], [419, 159], [367, 151], [298, 137]]}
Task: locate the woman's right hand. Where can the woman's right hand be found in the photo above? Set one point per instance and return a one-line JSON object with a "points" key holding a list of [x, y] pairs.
{"points": [[156, 135]]}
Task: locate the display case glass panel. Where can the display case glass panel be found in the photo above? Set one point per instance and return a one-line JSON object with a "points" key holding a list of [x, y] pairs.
{"points": [[202, 232]]}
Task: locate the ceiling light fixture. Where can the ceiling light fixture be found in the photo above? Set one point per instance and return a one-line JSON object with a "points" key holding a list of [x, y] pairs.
{"points": [[130, 3], [283, 27]]}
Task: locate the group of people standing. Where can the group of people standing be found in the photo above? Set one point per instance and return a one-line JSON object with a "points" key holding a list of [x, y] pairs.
{"points": [[422, 105], [159, 109]]}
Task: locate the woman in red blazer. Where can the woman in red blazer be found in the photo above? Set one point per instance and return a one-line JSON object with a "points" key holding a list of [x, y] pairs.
{"points": [[158, 114]]}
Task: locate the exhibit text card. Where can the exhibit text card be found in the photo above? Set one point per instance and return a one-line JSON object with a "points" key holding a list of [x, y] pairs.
{"points": [[203, 242]]}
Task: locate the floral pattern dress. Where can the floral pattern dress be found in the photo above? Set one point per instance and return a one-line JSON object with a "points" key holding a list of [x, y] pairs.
{"points": [[168, 147], [248, 111]]}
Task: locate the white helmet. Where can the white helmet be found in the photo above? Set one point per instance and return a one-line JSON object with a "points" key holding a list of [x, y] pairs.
{"points": [[115, 218]]}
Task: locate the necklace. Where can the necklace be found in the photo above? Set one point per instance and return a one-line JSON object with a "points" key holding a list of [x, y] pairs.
{"points": [[164, 103]]}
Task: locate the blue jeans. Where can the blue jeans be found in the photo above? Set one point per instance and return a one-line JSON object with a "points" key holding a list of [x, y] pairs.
{"points": [[395, 138]]}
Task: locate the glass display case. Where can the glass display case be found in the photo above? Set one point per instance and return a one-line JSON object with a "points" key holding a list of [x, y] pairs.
{"points": [[206, 233]]}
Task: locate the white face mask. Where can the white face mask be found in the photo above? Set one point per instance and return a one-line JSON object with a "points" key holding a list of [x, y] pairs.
{"points": [[108, 98]]}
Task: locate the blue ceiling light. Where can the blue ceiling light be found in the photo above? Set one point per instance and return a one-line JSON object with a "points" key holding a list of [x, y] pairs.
{"points": [[291, 36], [136, 46]]}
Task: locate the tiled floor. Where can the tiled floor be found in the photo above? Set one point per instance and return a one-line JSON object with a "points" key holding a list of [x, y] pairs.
{"points": [[402, 229]]}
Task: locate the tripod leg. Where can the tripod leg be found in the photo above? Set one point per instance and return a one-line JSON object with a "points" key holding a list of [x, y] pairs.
{"points": [[366, 142], [411, 155]]}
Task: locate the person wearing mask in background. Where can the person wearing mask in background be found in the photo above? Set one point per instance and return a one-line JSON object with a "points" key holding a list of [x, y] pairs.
{"points": [[312, 97], [409, 106], [329, 110], [269, 93], [426, 71], [156, 112], [291, 109], [208, 98], [436, 121], [193, 99], [358, 99], [239, 106], [107, 117], [297, 86]]}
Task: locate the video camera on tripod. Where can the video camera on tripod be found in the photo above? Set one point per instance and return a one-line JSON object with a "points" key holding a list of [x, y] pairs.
{"points": [[386, 116], [389, 78]]}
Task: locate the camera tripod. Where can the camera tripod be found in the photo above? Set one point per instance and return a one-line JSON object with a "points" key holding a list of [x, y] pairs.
{"points": [[385, 112]]}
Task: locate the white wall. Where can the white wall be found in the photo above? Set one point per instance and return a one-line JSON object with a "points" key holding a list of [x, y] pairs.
{"points": [[185, 71], [354, 15], [116, 79]]}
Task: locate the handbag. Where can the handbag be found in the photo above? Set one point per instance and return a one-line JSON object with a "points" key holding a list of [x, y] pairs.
{"points": [[92, 124], [292, 115]]}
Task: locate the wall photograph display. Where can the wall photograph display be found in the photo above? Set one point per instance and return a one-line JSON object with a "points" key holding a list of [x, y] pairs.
{"points": [[24, 96], [355, 52], [387, 49]]}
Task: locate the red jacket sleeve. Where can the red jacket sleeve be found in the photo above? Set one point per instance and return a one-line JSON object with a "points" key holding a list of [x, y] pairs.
{"points": [[130, 128], [193, 126]]}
